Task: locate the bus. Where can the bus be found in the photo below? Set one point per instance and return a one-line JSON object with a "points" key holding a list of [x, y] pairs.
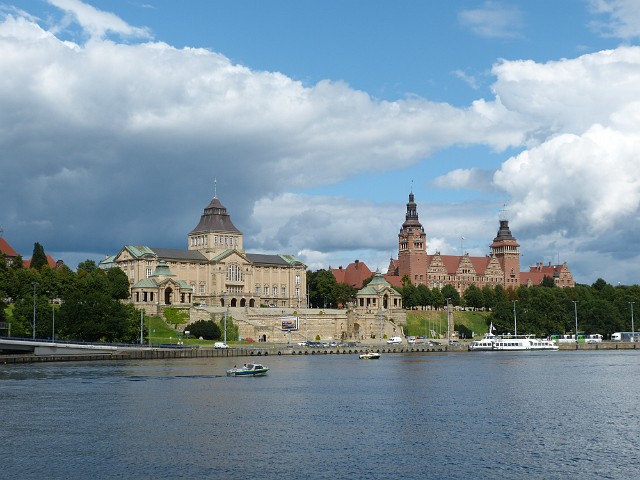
{"points": [[582, 338], [563, 338], [625, 336]]}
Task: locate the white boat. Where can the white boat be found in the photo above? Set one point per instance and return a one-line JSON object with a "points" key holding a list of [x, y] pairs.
{"points": [[512, 343], [248, 370], [485, 344], [369, 356]]}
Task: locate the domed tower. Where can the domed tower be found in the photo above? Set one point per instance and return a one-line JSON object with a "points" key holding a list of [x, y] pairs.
{"points": [[412, 246], [507, 250], [215, 232]]}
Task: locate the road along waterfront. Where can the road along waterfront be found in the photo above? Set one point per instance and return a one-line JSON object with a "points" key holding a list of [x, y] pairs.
{"points": [[517, 415]]}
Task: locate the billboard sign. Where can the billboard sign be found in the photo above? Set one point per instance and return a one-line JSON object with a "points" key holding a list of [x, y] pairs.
{"points": [[289, 324]]}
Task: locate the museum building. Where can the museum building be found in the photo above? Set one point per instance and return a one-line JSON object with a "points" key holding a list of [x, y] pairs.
{"points": [[214, 270]]}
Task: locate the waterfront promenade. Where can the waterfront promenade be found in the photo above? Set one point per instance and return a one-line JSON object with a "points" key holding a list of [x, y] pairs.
{"points": [[161, 352]]}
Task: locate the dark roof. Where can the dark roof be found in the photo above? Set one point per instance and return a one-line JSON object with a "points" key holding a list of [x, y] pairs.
{"points": [[504, 233], [411, 218], [175, 254], [215, 219], [263, 259]]}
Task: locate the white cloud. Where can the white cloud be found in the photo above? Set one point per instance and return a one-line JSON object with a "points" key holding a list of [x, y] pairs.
{"points": [[587, 183], [570, 95], [107, 143], [98, 23], [493, 20], [622, 18], [466, 178]]}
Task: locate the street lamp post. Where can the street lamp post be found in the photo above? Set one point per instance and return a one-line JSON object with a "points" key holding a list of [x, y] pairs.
{"points": [[34, 310], [141, 327], [226, 312], [633, 331], [53, 321], [515, 319], [448, 322], [575, 309]]}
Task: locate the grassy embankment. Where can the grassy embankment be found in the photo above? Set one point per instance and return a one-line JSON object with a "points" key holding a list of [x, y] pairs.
{"points": [[421, 322]]}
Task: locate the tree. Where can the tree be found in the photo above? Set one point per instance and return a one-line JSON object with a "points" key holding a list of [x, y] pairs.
{"points": [[233, 331], [322, 285], [343, 292], [119, 284], [488, 297], [473, 297], [88, 266], [409, 295], [548, 282], [437, 298], [90, 312], [38, 258], [207, 329], [448, 291], [423, 295]]}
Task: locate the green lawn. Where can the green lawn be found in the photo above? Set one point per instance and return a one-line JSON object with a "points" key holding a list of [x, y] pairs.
{"points": [[163, 333], [421, 322]]}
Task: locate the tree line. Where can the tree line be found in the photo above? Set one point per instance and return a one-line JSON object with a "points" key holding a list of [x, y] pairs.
{"points": [[83, 305]]}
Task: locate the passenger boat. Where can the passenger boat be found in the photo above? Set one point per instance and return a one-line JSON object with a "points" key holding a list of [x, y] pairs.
{"points": [[248, 370], [485, 344], [369, 356], [512, 343]]}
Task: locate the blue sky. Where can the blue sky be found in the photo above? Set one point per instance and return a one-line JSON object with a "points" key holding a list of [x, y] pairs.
{"points": [[317, 119]]}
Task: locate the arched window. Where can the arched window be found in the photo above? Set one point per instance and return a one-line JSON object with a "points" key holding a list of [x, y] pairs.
{"points": [[234, 273]]}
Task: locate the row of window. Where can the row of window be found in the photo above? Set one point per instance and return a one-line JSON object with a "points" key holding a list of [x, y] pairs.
{"points": [[226, 240]]}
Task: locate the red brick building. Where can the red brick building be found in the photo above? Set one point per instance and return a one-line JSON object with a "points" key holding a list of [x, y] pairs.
{"points": [[500, 267]]}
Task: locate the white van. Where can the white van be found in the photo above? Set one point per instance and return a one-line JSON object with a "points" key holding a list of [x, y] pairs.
{"points": [[220, 345], [394, 341]]}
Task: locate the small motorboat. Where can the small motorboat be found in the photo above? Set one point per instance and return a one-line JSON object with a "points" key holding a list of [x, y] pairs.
{"points": [[369, 355], [248, 370]]}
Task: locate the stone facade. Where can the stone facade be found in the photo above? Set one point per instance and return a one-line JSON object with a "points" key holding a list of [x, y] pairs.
{"points": [[500, 267], [375, 315], [213, 271]]}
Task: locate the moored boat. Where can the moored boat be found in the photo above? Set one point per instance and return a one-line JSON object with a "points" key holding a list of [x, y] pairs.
{"points": [[514, 343], [248, 370], [485, 344], [369, 356]]}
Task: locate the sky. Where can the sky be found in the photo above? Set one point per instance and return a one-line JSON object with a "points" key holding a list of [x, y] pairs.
{"points": [[313, 121]]}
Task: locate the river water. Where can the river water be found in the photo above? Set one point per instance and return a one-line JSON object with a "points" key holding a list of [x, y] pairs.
{"points": [[566, 414]]}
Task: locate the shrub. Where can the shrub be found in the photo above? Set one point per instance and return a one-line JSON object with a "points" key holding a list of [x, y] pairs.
{"points": [[206, 329]]}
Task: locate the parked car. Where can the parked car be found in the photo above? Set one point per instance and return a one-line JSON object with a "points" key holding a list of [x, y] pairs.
{"points": [[220, 345], [394, 341], [302, 344]]}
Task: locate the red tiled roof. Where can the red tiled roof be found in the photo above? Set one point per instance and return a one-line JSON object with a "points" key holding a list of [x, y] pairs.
{"points": [[50, 261], [534, 277], [394, 280], [355, 274], [7, 249], [451, 263]]}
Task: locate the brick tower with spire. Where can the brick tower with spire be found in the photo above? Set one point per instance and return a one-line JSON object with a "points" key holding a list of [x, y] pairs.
{"points": [[507, 250], [412, 246]]}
